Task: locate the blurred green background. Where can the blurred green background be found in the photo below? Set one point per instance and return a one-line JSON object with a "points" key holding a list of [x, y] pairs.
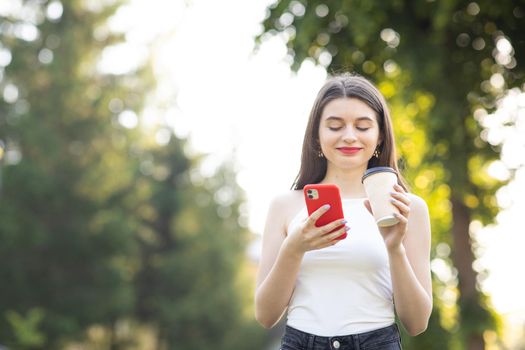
{"points": [[110, 238]]}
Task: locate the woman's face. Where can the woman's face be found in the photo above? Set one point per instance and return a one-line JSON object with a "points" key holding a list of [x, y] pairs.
{"points": [[348, 133]]}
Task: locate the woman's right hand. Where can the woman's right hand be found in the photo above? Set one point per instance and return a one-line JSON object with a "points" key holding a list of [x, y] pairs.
{"points": [[306, 236]]}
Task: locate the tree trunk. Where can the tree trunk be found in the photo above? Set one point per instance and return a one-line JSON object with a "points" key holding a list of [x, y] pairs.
{"points": [[475, 342], [463, 258], [113, 341]]}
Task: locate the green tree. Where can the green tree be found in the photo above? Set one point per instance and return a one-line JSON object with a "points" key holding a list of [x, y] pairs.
{"points": [[62, 228], [189, 284], [442, 65], [99, 226]]}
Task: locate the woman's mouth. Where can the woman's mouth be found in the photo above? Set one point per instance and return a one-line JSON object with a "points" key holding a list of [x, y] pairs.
{"points": [[349, 150]]}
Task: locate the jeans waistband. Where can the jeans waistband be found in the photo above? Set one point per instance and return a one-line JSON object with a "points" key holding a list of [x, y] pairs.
{"points": [[368, 339]]}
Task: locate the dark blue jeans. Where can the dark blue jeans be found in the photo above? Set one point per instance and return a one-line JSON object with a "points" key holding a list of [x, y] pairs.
{"points": [[381, 339]]}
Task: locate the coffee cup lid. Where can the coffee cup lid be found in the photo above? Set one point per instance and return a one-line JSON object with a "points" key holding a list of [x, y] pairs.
{"points": [[378, 169]]}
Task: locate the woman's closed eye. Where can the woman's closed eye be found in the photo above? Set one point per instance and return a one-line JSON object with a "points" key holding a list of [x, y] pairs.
{"points": [[337, 128]]}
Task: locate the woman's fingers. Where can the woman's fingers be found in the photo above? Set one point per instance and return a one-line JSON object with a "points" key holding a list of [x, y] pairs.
{"points": [[403, 208], [332, 226], [331, 239], [402, 218], [398, 187], [401, 200], [327, 238], [321, 237], [336, 234], [312, 219]]}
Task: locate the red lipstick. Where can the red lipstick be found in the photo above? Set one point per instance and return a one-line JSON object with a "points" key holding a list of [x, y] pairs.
{"points": [[349, 150]]}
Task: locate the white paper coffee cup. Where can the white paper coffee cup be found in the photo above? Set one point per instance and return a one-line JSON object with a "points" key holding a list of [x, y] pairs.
{"points": [[379, 182]]}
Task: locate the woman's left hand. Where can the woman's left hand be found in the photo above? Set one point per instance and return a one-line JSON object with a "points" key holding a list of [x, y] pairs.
{"points": [[394, 235]]}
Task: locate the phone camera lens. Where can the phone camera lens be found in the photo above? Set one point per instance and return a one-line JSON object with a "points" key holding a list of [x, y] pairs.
{"points": [[309, 191], [310, 196]]}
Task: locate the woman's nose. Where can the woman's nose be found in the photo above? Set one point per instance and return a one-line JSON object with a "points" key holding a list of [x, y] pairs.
{"points": [[349, 135]]}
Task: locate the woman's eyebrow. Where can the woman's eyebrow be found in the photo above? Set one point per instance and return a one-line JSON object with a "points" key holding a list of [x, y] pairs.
{"points": [[365, 118], [334, 118]]}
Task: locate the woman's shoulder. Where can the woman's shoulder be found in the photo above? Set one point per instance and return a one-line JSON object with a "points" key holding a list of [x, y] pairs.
{"points": [[417, 203], [284, 206], [418, 227], [285, 200]]}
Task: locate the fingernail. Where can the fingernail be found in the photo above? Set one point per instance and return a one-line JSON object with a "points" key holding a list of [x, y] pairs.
{"points": [[344, 222], [327, 206]]}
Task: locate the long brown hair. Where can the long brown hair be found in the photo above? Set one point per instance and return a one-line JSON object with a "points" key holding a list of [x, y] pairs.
{"points": [[313, 167]]}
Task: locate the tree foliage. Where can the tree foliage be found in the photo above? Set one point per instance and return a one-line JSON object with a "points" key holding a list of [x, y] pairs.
{"points": [[105, 239], [61, 231]]}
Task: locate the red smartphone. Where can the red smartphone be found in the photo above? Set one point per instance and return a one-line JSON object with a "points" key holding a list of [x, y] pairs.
{"points": [[317, 195]]}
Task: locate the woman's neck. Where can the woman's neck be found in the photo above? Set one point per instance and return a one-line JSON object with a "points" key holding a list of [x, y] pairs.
{"points": [[348, 181]]}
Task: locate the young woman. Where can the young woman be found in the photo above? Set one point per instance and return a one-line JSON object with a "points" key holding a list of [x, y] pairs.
{"points": [[341, 294]]}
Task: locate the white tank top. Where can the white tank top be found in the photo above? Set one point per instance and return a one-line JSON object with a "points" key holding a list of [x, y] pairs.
{"points": [[346, 288]]}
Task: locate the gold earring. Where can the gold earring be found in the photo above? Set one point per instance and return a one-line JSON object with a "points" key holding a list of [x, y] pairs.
{"points": [[320, 154], [377, 152]]}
